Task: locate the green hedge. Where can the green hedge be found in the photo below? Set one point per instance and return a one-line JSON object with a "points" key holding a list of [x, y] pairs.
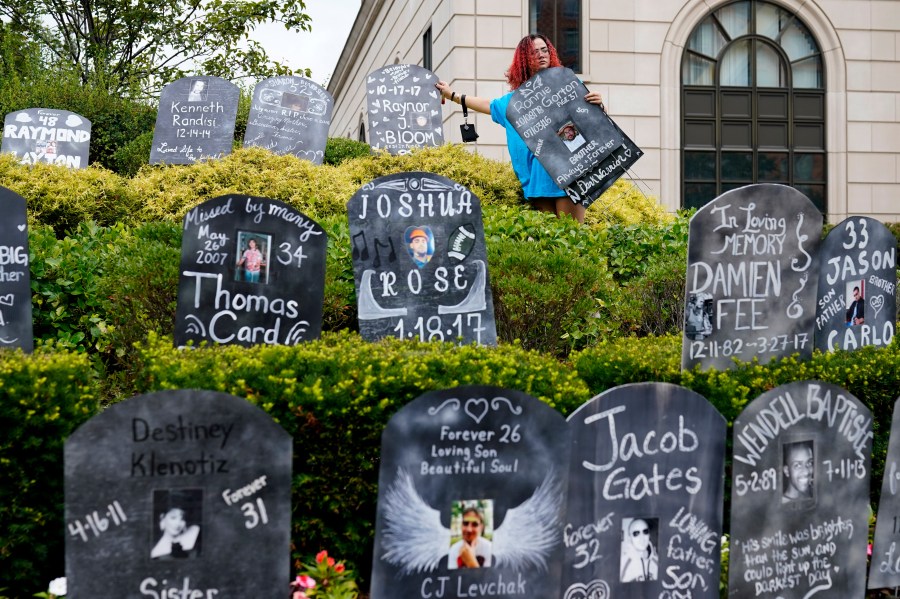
{"points": [[44, 397]]}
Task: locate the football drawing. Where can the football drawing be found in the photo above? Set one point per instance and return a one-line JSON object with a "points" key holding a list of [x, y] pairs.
{"points": [[461, 242]]}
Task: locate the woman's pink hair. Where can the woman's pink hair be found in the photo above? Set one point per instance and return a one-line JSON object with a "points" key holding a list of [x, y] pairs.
{"points": [[525, 64]]}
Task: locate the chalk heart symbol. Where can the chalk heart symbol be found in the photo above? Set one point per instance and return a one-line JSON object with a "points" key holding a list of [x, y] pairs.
{"points": [[877, 303], [596, 589], [22, 227], [476, 408], [6, 300]]}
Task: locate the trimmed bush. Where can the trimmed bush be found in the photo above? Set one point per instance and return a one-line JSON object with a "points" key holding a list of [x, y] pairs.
{"points": [[44, 397], [340, 149], [541, 297], [63, 198]]}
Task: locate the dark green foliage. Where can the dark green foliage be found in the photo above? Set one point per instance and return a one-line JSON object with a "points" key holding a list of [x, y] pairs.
{"points": [[43, 398], [68, 308], [651, 303], [129, 158], [543, 295], [339, 149]]}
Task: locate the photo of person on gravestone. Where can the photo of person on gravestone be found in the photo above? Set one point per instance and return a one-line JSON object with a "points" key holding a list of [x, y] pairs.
{"points": [[295, 102], [570, 136], [639, 560], [198, 91], [797, 471], [533, 54], [473, 550], [419, 122], [176, 532], [698, 320], [856, 308], [420, 241], [253, 257]]}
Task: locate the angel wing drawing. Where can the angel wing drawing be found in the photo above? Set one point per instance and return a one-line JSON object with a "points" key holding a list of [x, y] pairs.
{"points": [[415, 541]]}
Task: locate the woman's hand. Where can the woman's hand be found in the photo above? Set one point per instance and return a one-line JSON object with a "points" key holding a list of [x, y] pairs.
{"points": [[444, 88], [595, 98]]}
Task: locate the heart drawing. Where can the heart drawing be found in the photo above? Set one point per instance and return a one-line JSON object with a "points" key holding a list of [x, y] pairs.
{"points": [[7, 300], [476, 408], [877, 303], [596, 589]]}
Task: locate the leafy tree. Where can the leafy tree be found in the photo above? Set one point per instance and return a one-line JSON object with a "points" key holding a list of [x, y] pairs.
{"points": [[137, 46]]}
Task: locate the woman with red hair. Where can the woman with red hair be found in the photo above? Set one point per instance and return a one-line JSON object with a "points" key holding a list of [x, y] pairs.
{"points": [[533, 54]]}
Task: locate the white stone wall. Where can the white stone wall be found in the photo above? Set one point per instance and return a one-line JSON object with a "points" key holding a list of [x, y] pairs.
{"points": [[633, 55]]}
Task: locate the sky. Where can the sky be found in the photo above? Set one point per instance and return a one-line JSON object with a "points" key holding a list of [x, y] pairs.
{"points": [[318, 49]]}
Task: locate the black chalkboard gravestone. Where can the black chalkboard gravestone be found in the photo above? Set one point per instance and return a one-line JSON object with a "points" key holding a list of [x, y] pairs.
{"points": [[404, 109], [419, 260], [15, 276], [884, 567], [44, 135], [646, 478], [471, 493], [178, 494], [800, 494], [290, 115], [195, 120], [252, 271], [751, 278], [857, 300], [583, 150]]}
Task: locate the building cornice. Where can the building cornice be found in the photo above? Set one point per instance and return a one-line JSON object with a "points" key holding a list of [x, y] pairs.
{"points": [[359, 34]]}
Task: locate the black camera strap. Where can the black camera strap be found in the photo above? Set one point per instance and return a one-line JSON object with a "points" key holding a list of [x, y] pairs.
{"points": [[467, 130]]}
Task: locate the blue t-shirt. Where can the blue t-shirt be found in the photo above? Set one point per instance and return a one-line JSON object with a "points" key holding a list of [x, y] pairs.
{"points": [[536, 181]]}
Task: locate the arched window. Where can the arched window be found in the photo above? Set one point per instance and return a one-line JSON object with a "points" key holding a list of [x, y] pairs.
{"points": [[362, 132], [753, 104]]}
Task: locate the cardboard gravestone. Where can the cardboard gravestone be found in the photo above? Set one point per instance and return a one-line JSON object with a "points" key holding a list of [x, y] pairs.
{"points": [[471, 493], [45, 135], [583, 150], [252, 271], [800, 494], [751, 277], [884, 567], [644, 516], [404, 109], [290, 115], [195, 120], [15, 276], [419, 260], [857, 298], [178, 494]]}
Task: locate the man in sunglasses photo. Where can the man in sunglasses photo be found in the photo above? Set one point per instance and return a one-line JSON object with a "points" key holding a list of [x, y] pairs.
{"points": [[639, 561]]}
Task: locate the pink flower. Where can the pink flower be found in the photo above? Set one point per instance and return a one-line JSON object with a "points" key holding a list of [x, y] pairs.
{"points": [[321, 556], [299, 595], [339, 568], [870, 549], [307, 582], [330, 561]]}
